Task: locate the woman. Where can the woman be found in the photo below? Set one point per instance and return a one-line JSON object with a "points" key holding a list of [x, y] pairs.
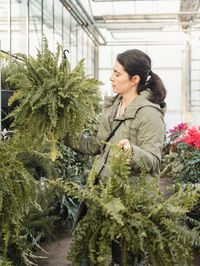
{"points": [[139, 108], [133, 118]]}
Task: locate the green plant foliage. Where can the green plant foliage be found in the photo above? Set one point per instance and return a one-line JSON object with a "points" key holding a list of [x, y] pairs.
{"points": [[183, 166], [32, 220], [54, 100], [41, 222], [18, 192], [55, 204], [190, 158], [129, 211], [4, 56], [73, 166], [10, 68], [38, 163], [173, 165], [19, 251], [4, 261]]}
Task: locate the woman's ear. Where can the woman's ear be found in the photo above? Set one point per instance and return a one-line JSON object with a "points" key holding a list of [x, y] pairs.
{"points": [[135, 80]]}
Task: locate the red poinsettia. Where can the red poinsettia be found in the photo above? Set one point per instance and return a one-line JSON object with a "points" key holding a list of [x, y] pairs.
{"points": [[177, 131], [192, 137], [182, 133]]}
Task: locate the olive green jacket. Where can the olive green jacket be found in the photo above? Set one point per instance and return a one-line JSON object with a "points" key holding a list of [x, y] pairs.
{"points": [[142, 125]]}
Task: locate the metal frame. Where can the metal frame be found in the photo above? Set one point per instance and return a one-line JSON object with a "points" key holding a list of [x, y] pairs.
{"points": [[9, 25], [149, 15], [146, 22], [125, 0], [84, 20], [155, 19], [144, 42]]}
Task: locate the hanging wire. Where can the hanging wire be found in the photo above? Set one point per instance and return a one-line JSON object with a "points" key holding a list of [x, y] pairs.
{"points": [[14, 56]]}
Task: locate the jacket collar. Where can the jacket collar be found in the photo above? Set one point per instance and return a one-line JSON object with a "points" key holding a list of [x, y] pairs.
{"points": [[110, 100], [140, 101], [130, 111]]}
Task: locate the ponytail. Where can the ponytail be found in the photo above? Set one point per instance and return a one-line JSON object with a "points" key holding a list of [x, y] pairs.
{"points": [[136, 62], [155, 84]]}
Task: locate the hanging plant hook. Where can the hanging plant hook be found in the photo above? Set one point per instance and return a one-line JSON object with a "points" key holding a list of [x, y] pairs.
{"points": [[65, 57]]}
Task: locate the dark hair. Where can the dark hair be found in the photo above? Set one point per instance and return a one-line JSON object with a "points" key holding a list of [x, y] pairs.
{"points": [[136, 62]]}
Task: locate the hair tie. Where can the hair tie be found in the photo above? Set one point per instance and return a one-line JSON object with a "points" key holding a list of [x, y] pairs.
{"points": [[150, 73]]}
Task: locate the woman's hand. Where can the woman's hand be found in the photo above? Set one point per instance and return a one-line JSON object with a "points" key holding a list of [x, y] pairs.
{"points": [[124, 143]]}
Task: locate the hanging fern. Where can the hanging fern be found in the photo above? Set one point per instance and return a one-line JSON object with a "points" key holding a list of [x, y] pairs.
{"points": [[54, 100], [4, 261], [41, 223], [9, 68], [129, 212], [4, 56], [17, 193]]}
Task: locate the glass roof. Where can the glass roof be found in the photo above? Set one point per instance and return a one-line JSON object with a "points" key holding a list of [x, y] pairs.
{"points": [[134, 7], [144, 20]]}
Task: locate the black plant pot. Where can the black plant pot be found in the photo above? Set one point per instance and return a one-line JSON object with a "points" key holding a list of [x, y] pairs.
{"points": [[5, 109], [5, 95]]}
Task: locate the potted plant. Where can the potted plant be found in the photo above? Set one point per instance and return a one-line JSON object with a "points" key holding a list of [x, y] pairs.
{"points": [[129, 212], [54, 100]]}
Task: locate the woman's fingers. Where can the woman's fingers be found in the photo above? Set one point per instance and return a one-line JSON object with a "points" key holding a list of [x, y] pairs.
{"points": [[124, 143]]}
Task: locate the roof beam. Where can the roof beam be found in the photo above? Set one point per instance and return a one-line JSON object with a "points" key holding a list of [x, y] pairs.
{"points": [[161, 16], [126, 0], [190, 6]]}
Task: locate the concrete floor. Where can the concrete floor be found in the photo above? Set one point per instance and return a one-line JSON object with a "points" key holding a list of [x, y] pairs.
{"points": [[56, 250]]}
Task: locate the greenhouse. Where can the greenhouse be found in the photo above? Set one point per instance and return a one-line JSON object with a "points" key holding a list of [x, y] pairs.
{"points": [[100, 132]]}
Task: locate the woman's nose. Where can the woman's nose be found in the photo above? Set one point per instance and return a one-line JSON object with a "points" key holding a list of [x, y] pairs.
{"points": [[111, 77]]}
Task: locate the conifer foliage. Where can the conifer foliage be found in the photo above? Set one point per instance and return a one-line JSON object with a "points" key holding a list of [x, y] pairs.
{"points": [[128, 211], [54, 99]]}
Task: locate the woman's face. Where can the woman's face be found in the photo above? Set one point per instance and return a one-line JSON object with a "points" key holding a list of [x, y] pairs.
{"points": [[121, 82]]}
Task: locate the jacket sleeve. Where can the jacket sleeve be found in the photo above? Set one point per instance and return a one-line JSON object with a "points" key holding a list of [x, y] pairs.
{"points": [[92, 145], [150, 138], [89, 144], [85, 144]]}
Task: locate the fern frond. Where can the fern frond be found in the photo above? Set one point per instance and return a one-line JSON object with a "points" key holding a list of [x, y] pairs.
{"points": [[129, 209], [52, 97]]}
